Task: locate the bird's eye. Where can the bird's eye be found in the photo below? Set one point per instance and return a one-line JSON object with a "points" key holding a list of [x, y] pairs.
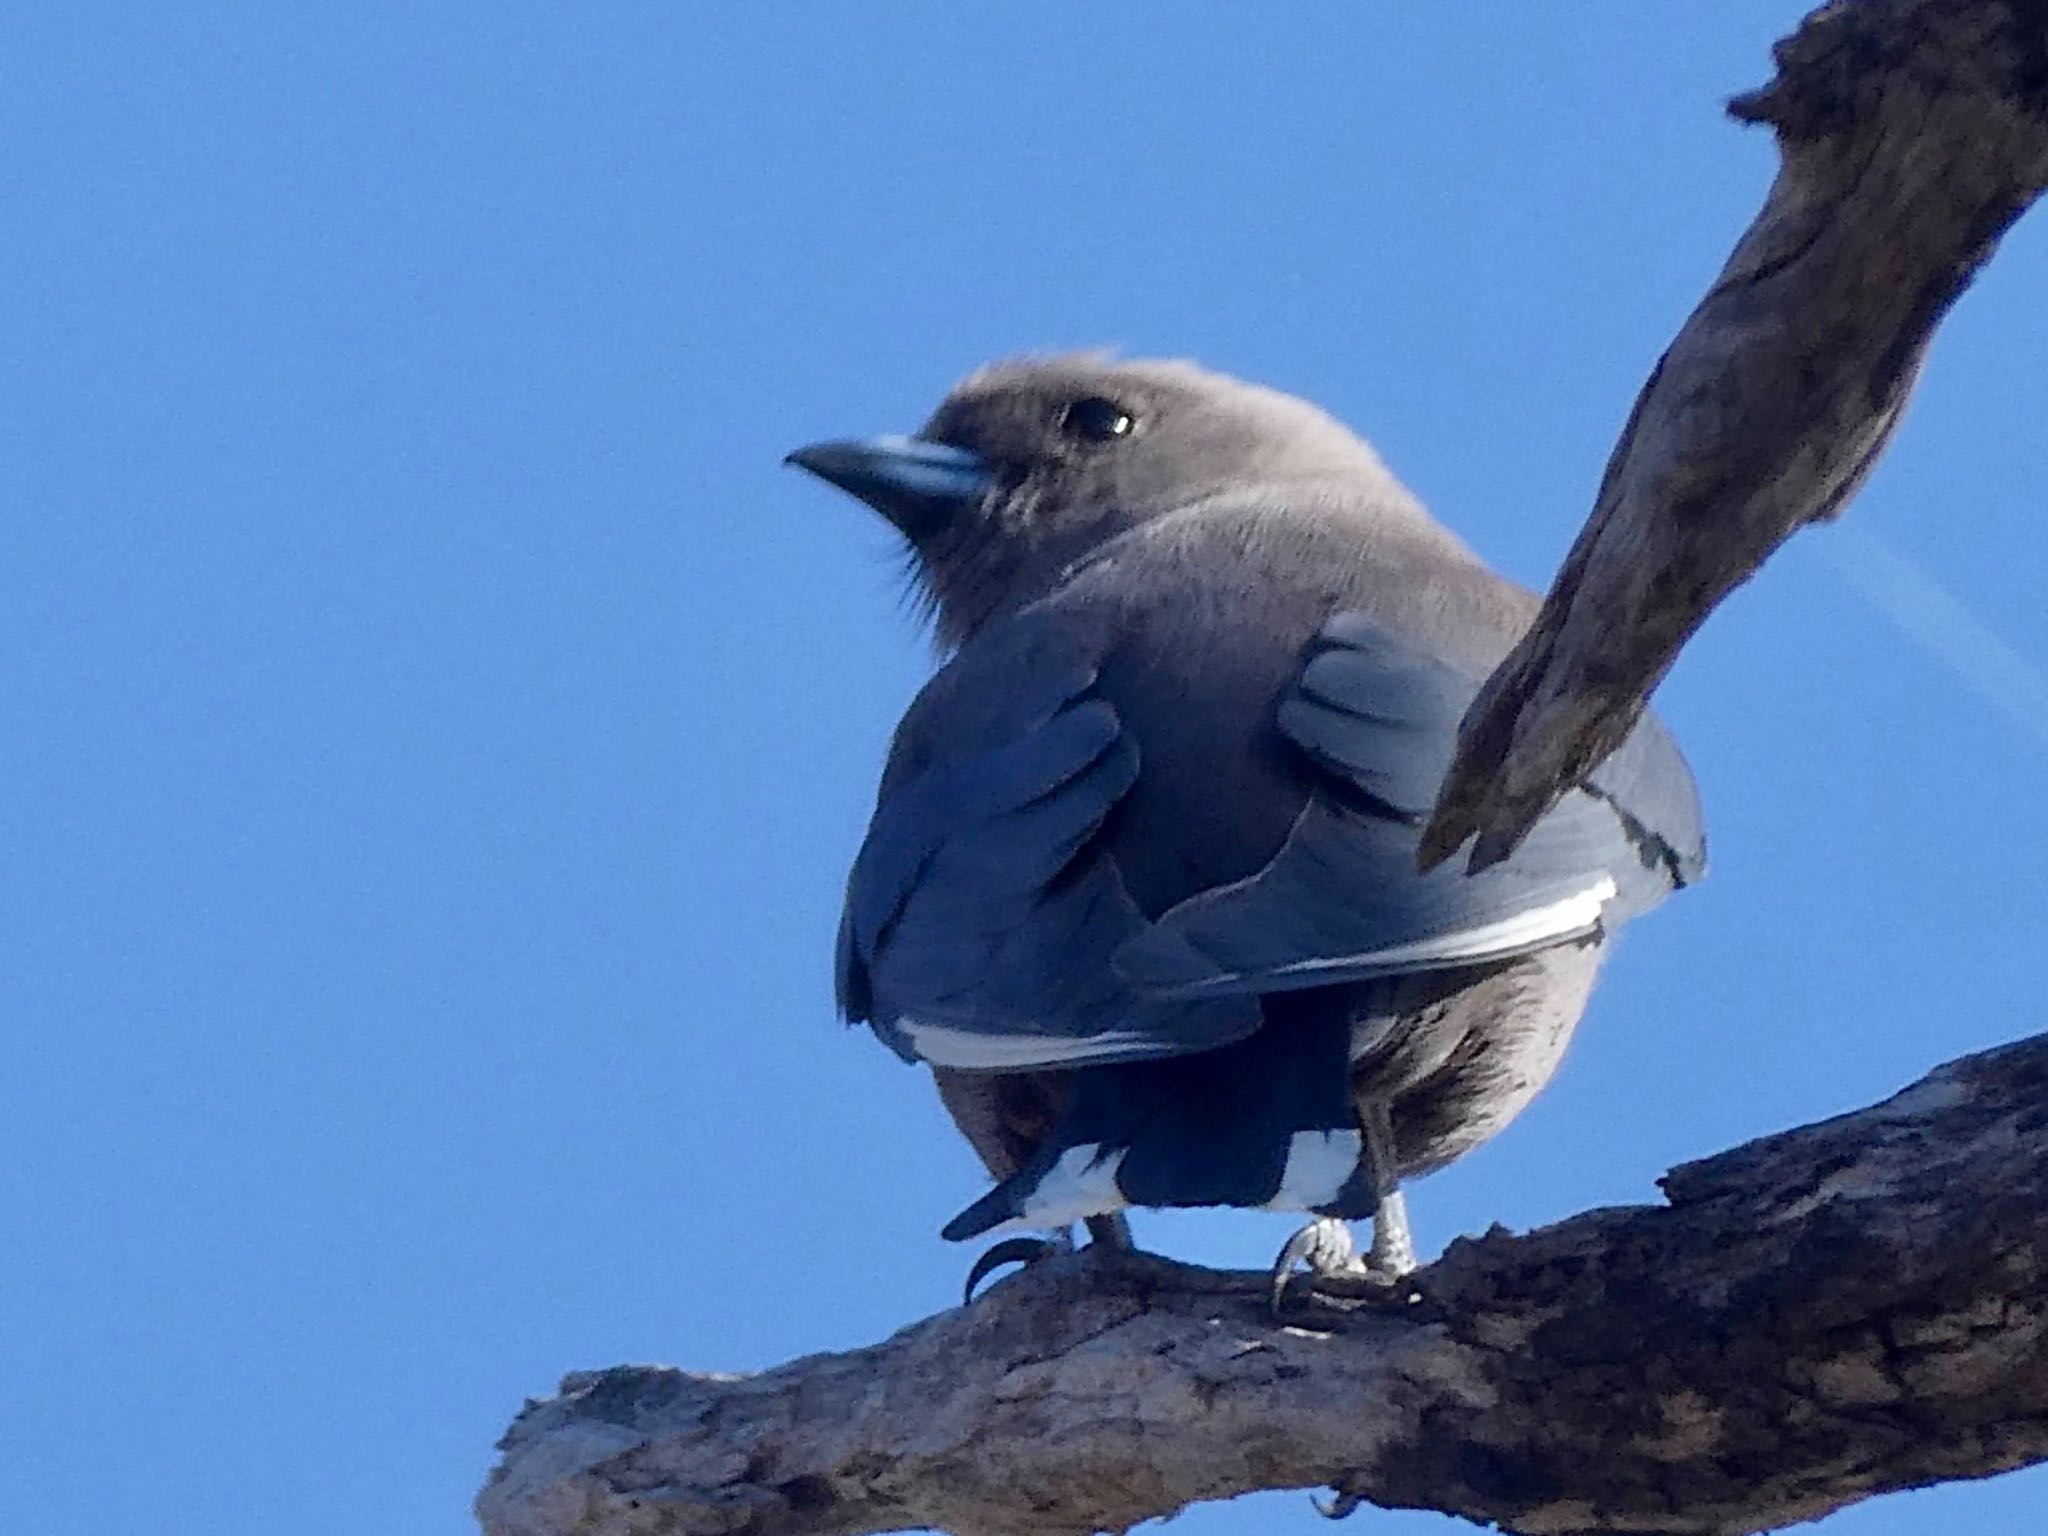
{"points": [[1096, 419]]}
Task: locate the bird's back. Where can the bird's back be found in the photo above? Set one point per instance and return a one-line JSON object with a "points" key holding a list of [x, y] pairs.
{"points": [[1206, 616]]}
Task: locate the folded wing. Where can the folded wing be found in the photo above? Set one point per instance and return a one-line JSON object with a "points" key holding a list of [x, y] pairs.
{"points": [[981, 915], [987, 926], [1343, 901]]}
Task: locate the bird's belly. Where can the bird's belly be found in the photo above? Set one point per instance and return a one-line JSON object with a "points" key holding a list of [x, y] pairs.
{"points": [[1466, 1051]]}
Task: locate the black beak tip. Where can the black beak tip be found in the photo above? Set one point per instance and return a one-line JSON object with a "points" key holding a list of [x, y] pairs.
{"points": [[916, 484], [832, 462]]}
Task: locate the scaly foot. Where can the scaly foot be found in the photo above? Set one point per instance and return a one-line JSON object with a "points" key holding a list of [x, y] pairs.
{"points": [[1327, 1248]]}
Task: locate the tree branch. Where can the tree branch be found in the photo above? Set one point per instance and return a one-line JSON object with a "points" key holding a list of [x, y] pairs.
{"points": [[1914, 132], [1842, 1310]]}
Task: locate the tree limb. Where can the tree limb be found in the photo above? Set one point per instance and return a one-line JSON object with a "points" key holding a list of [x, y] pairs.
{"points": [[1853, 1307], [1913, 133]]}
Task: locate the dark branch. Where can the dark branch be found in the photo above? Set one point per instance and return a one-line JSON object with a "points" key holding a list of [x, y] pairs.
{"points": [[1842, 1310], [1914, 132]]}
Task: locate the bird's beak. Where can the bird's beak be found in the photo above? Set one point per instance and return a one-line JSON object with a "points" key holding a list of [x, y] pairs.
{"points": [[919, 486]]}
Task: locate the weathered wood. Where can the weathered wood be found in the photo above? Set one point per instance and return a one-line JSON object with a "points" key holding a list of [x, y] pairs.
{"points": [[1913, 133], [1856, 1306]]}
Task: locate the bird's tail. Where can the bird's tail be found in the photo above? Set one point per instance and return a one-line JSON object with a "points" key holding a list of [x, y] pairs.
{"points": [[1266, 1121]]}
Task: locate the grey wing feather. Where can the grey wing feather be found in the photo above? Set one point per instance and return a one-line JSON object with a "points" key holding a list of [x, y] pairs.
{"points": [[1023, 798], [981, 918], [1342, 900], [1646, 781]]}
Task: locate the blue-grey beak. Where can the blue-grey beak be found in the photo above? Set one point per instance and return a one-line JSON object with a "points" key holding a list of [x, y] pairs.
{"points": [[919, 486]]}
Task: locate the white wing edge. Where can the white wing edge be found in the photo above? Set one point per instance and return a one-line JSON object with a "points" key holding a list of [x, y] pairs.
{"points": [[1509, 935], [972, 1051]]}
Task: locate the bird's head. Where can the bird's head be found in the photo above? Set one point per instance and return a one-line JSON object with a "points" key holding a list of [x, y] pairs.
{"points": [[1030, 466]]}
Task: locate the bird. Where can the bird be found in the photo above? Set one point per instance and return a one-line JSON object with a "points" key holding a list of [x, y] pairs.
{"points": [[1141, 887]]}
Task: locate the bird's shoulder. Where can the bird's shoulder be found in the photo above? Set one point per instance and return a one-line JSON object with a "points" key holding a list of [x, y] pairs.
{"points": [[1219, 600], [1270, 565], [1003, 682]]}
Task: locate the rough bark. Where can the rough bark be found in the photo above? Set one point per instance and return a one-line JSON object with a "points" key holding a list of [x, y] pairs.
{"points": [[1856, 1306], [1913, 133]]}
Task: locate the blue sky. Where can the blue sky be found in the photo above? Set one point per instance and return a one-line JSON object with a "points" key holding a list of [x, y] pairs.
{"points": [[435, 729]]}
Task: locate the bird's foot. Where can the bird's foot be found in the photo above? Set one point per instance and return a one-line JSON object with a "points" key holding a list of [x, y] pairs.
{"points": [[1325, 1246], [1110, 1233]]}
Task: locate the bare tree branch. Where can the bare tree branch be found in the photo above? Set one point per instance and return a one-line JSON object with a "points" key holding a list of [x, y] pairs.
{"points": [[1857, 1306], [1914, 132], [1842, 1310]]}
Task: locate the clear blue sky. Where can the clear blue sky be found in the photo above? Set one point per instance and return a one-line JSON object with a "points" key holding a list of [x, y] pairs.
{"points": [[434, 728]]}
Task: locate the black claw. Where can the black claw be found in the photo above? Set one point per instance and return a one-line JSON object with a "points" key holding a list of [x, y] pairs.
{"points": [[1011, 1250], [1342, 1507], [1298, 1248]]}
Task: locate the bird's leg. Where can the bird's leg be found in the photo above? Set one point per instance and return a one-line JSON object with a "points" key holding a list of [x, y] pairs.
{"points": [[1326, 1245], [1393, 1245], [1111, 1233]]}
